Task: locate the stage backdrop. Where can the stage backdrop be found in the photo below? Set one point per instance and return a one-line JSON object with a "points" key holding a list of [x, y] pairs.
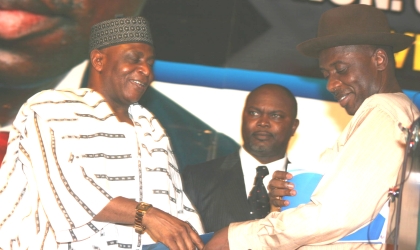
{"points": [[217, 51], [210, 54]]}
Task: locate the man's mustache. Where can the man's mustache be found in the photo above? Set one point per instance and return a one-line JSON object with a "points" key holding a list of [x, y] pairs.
{"points": [[262, 133]]}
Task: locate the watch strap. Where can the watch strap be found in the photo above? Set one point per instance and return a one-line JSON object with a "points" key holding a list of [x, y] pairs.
{"points": [[141, 210]]}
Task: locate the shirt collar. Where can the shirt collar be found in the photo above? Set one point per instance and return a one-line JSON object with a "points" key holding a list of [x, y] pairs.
{"points": [[248, 161]]}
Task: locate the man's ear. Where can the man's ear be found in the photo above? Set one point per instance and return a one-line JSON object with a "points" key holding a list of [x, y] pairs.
{"points": [[295, 126], [97, 59], [381, 59]]}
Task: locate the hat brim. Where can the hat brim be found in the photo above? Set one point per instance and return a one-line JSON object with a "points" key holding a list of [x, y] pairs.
{"points": [[313, 46]]}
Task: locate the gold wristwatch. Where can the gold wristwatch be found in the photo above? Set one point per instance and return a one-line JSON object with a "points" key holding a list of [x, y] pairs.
{"points": [[141, 210]]}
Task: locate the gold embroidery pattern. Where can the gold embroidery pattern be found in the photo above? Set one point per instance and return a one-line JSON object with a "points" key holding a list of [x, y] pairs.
{"points": [[47, 227], [157, 191], [149, 121], [95, 185], [62, 120], [38, 227], [174, 168], [119, 178], [154, 150], [111, 157], [8, 177], [15, 205], [94, 117], [189, 209], [66, 184], [23, 150], [102, 135], [44, 156], [158, 140]]}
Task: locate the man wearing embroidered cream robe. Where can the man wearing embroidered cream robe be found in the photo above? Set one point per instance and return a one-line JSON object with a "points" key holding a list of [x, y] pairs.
{"points": [[44, 45], [355, 49], [81, 164]]}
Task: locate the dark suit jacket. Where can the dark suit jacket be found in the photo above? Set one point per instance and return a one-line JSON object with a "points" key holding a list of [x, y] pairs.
{"points": [[217, 190]]}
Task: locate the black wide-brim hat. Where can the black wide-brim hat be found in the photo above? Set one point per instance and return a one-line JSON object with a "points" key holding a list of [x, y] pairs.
{"points": [[354, 24]]}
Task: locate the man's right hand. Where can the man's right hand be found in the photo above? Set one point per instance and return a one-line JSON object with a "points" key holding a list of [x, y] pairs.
{"points": [[279, 187], [173, 232]]}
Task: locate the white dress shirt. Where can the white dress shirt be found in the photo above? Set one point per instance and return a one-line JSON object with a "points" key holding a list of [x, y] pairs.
{"points": [[249, 165]]}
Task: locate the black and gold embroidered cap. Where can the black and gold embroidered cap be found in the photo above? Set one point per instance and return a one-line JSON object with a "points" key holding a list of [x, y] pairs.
{"points": [[119, 31]]}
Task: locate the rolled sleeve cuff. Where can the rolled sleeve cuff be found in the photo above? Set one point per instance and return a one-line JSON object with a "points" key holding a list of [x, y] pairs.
{"points": [[244, 235]]}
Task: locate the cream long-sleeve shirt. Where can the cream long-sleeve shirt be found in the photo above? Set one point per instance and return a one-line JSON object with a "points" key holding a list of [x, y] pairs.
{"points": [[359, 169]]}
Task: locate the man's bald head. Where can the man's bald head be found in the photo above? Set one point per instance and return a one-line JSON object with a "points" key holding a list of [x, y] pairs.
{"points": [[278, 90], [268, 122]]}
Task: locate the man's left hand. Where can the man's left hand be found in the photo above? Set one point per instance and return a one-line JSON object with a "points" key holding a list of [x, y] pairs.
{"points": [[279, 187]]}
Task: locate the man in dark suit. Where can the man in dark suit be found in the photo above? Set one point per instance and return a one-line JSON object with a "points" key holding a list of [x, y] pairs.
{"points": [[219, 188]]}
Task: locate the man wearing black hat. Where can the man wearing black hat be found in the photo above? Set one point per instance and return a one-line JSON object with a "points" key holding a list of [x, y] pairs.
{"points": [[91, 168], [355, 49]]}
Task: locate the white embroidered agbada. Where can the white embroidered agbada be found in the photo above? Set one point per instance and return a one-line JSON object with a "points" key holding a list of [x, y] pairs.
{"points": [[68, 156]]}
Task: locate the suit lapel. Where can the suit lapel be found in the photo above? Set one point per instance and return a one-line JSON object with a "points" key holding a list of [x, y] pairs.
{"points": [[234, 193]]}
